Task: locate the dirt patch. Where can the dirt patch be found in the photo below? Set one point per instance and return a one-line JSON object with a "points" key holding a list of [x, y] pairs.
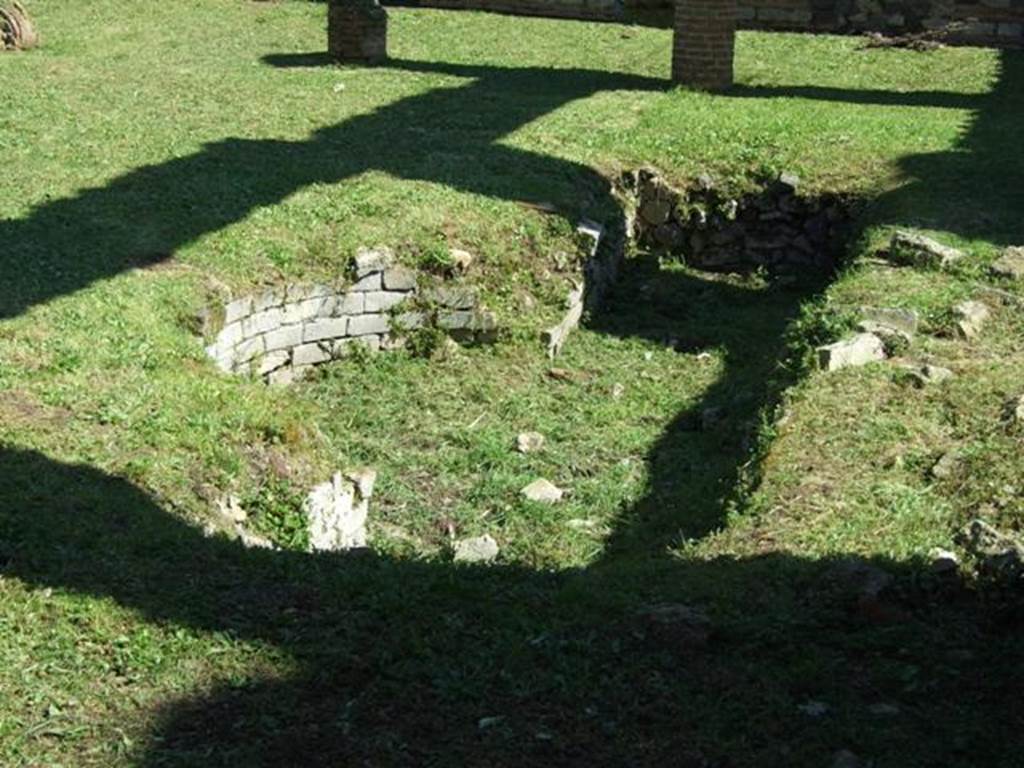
{"points": [[19, 409]]}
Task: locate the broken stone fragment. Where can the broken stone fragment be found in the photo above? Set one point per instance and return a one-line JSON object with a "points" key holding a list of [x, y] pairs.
{"points": [[590, 232], [461, 260], [998, 554], [947, 465], [1010, 265], [230, 508], [969, 318], [920, 251], [368, 261], [480, 549], [554, 338], [926, 374], [862, 349], [543, 491], [337, 511], [529, 442], [905, 321], [789, 182], [889, 335]]}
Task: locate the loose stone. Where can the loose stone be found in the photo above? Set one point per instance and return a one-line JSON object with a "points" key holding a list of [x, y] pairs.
{"points": [[481, 549], [920, 251], [970, 317], [1010, 265], [461, 260], [529, 442], [905, 321], [862, 349], [543, 491], [337, 511], [947, 465], [926, 374]]}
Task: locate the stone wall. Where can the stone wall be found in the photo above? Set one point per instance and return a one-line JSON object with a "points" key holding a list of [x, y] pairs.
{"points": [[990, 22], [774, 228], [603, 254], [280, 333]]}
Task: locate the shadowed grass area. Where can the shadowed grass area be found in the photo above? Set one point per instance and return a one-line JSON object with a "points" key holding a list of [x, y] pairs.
{"points": [[168, 154]]}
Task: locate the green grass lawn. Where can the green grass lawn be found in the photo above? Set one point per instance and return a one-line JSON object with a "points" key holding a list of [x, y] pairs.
{"points": [[159, 156]]}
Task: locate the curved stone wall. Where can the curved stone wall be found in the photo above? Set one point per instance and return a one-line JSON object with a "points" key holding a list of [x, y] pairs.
{"points": [[280, 333]]}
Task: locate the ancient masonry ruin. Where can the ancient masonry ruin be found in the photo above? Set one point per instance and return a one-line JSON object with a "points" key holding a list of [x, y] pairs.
{"points": [[703, 44], [773, 227], [985, 22], [280, 333], [702, 53]]}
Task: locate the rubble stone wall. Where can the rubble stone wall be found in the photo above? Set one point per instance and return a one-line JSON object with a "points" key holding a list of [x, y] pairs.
{"points": [[986, 22]]}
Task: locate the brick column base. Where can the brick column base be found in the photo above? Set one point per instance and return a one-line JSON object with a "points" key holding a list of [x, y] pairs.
{"points": [[704, 42], [357, 31]]}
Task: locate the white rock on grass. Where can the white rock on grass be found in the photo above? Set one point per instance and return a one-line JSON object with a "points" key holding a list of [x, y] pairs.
{"points": [[1011, 264], [337, 511], [529, 442], [905, 321], [543, 492], [920, 251], [862, 349], [480, 549], [231, 508], [924, 374], [969, 319], [461, 260]]}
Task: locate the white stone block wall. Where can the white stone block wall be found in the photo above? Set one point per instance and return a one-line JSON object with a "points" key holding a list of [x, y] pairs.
{"points": [[280, 333]]}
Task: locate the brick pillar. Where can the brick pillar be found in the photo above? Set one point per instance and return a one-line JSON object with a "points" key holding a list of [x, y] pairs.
{"points": [[357, 31], [702, 49]]}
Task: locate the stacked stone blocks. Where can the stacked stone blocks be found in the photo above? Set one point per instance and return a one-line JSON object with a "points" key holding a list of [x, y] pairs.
{"points": [[280, 333]]}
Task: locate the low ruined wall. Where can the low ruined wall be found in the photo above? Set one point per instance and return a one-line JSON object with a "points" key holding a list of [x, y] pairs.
{"points": [[282, 332], [989, 22], [601, 10]]}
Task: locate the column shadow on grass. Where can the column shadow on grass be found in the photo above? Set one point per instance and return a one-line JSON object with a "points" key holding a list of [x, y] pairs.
{"points": [[425, 663], [404, 662], [447, 136]]}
